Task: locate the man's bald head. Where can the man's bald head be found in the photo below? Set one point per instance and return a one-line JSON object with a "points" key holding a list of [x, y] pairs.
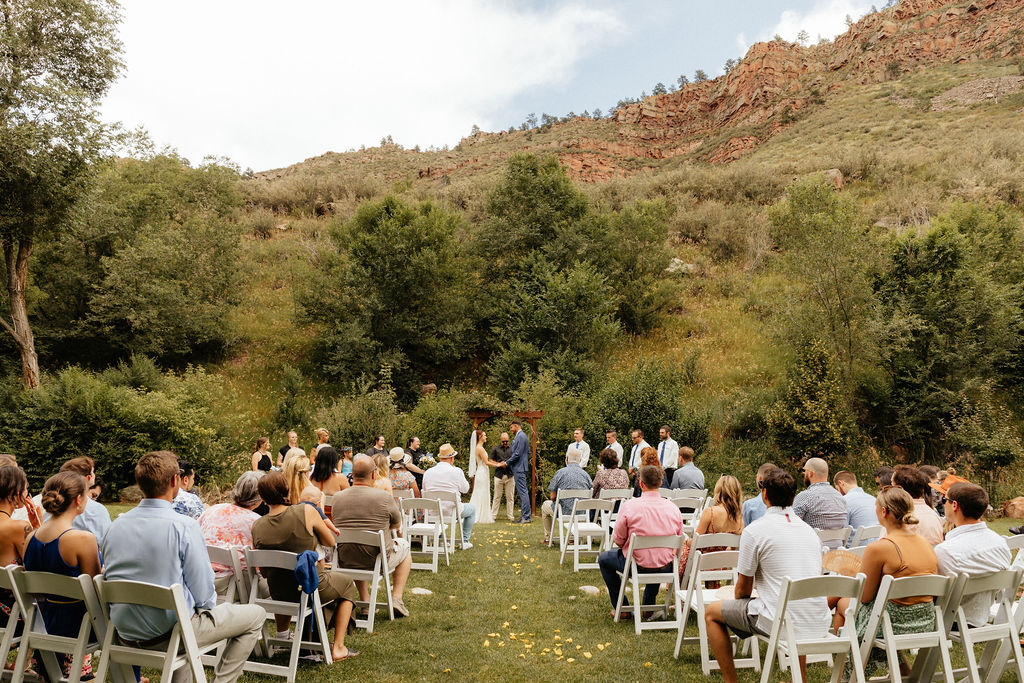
{"points": [[363, 468], [817, 469]]}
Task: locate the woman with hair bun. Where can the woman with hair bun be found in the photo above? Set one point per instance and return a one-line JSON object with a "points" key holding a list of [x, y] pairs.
{"points": [[899, 553], [58, 548]]}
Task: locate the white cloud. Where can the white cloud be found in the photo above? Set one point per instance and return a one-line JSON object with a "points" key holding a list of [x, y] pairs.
{"points": [[268, 84], [826, 19]]}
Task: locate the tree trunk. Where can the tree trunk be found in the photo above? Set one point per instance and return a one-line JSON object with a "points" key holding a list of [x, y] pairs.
{"points": [[16, 255]]}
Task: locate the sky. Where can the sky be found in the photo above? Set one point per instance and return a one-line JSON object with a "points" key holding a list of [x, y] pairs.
{"points": [[268, 84]]}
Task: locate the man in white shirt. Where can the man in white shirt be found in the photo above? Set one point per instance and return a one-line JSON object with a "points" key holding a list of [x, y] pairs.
{"points": [[971, 548], [445, 476], [612, 438], [778, 545], [579, 446], [639, 444], [668, 451]]}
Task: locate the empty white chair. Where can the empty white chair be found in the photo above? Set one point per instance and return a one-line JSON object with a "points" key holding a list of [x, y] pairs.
{"points": [[432, 532], [786, 645], [580, 528], [940, 588], [450, 515], [834, 538], [307, 607], [702, 542], [1001, 631], [372, 577], [29, 588], [714, 566], [866, 534], [637, 580], [167, 659]]}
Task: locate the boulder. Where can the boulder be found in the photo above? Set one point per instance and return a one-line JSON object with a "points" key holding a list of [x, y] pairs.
{"points": [[130, 494], [428, 389], [835, 176], [680, 266], [592, 591], [1014, 508]]}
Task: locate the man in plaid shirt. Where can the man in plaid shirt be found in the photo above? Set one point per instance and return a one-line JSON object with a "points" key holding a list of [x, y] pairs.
{"points": [[820, 505]]}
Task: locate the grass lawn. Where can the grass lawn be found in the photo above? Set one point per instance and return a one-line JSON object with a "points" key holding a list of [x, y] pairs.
{"points": [[506, 610]]}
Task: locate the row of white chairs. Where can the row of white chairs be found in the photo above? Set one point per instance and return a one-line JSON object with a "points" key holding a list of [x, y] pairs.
{"points": [[849, 537]]}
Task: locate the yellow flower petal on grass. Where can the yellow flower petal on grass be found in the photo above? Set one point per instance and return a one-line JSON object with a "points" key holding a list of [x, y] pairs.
{"points": [[647, 664], [587, 655], [600, 646], [571, 660], [487, 643]]}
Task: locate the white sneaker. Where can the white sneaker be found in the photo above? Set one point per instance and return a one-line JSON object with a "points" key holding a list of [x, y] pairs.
{"points": [[466, 545]]}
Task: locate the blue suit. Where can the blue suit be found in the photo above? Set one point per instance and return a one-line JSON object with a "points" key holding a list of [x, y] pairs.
{"points": [[519, 464]]}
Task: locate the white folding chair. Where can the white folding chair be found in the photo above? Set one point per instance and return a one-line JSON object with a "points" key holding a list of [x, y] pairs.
{"points": [[940, 589], [637, 580], [31, 587], [307, 609], [8, 639], [450, 515], [181, 637], [235, 591], [1000, 635], [563, 520], [580, 528], [695, 597], [702, 542], [866, 534], [690, 503], [372, 577], [834, 538], [786, 645], [616, 496], [432, 533]]}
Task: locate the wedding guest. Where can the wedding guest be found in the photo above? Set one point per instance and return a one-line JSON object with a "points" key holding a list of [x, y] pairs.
{"points": [[883, 476], [445, 476], [639, 444], [325, 475], [346, 461], [901, 552], [95, 518], [915, 482], [261, 455], [187, 502], [572, 476], [649, 456], [860, 506], [13, 532], [229, 525], [688, 476], [382, 481], [401, 478], [377, 447], [754, 508], [153, 544], [723, 516], [414, 457], [296, 473], [610, 475], [296, 529], [820, 505], [323, 438]]}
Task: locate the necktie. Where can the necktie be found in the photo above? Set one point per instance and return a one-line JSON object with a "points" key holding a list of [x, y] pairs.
{"points": [[661, 454]]}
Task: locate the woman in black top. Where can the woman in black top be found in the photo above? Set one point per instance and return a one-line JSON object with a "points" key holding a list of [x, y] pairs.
{"points": [[261, 458]]}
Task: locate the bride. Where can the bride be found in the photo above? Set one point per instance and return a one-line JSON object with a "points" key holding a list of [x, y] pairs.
{"points": [[478, 472]]}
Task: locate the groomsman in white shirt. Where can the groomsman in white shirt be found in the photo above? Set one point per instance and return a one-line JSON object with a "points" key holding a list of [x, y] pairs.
{"points": [[580, 446], [639, 444], [668, 451], [612, 437]]}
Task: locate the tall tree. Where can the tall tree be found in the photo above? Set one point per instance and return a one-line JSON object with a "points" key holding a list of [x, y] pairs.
{"points": [[57, 60]]}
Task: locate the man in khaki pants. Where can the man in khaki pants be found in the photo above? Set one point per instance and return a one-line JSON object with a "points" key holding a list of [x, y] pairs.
{"points": [[503, 479]]}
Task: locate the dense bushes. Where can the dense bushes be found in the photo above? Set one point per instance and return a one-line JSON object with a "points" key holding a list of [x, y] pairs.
{"points": [[115, 418]]}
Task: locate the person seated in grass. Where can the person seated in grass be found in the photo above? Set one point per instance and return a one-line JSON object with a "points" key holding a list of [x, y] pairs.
{"points": [[777, 546]]}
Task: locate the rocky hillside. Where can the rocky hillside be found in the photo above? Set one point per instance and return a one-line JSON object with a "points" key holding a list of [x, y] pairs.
{"points": [[721, 120]]}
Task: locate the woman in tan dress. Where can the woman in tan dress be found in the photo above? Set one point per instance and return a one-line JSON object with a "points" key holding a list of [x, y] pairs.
{"points": [[297, 528]]}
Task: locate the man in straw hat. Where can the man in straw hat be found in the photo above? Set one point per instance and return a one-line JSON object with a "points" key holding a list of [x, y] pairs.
{"points": [[445, 476]]}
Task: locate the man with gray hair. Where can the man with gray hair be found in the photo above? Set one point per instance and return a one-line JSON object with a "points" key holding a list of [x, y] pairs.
{"points": [[572, 476], [820, 505]]}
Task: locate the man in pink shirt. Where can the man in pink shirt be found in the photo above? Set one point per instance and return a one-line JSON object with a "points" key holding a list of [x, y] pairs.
{"points": [[648, 515]]}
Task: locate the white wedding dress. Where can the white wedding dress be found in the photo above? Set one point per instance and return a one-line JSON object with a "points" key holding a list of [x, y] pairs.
{"points": [[481, 476]]}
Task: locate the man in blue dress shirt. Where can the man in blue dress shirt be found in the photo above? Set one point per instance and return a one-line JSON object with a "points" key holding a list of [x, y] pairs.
{"points": [[155, 544], [860, 506], [755, 508]]}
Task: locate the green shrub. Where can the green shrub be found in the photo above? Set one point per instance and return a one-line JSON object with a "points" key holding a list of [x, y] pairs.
{"points": [[292, 411], [747, 419], [441, 418], [76, 412], [354, 420]]}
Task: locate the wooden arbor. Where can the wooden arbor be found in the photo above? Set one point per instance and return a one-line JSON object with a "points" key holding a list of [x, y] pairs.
{"points": [[480, 416]]}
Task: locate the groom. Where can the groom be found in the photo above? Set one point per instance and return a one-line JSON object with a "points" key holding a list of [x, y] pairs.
{"points": [[519, 464]]}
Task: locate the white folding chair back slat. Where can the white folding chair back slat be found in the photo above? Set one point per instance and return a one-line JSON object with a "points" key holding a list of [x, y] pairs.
{"points": [[581, 527], [373, 577], [181, 636], [431, 531], [561, 519], [637, 580], [786, 646], [866, 534], [702, 542], [8, 639], [832, 537], [307, 607], [235, 591]]}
